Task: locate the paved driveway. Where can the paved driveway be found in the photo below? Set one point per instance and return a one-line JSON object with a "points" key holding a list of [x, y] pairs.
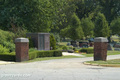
{"points": [[60, 69]]}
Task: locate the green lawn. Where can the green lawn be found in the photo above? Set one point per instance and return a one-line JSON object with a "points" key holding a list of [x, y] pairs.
{"points": [[115, 61], [108, 63], [50, 58], [108, 53], [63, 57]]}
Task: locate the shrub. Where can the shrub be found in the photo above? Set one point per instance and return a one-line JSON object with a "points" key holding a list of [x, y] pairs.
{"points": [[6, 36], [3, 50], [57, 53], [31, 45], [32, 49], [45, 53], [65, 48], [51, 53], [52, 42], [33, 55], [87, 50], [7, 57], [74, 49], [9, 45]]}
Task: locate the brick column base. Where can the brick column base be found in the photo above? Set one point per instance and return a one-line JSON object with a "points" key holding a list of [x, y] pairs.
{"points": [[21, 49], [100, 51]]}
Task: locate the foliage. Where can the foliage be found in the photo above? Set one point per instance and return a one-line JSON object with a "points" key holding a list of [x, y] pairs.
{"points": [[57, 37], [87, 26], [33, 15], [7, 57], [65, 47], [87, 50], [52, 42], [74, 30], [32, 49], [9, 45], [6, 36], [101, 26], [51, 53], [3, 50], [115, 26], [31, 45]]}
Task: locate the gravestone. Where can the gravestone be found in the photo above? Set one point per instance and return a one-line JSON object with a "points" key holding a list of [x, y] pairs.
{"points": [[100, 48], [74, 43], [83, 44], [109, 47]]}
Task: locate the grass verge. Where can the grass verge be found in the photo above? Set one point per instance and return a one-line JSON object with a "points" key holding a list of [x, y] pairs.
{"points": [[51, 58], [108, 53], [108, 63]]}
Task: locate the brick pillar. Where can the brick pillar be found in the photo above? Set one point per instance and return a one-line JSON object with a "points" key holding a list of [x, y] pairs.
{"points": [[100, 48], [21, 49]]}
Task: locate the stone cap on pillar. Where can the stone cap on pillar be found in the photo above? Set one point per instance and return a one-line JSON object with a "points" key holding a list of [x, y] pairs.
{"points": [[100, 39], [21, 40]]}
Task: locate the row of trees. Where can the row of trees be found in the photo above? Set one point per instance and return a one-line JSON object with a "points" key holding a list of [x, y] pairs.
{"points": [[72, 18]]}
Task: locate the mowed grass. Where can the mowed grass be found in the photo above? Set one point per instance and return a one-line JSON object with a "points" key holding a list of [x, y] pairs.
{"points": [[51, 58], [115, 61], [108, 53], [108, 63]]}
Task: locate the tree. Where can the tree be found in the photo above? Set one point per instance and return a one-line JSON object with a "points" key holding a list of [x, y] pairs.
{"points": [[101, 26], [33, 15], [115, 26], [74, 30], [52, 42], [88, 27]]}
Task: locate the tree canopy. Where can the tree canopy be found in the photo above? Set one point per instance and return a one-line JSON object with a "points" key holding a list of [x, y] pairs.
{"points": [[101, 26], [34, 15]]}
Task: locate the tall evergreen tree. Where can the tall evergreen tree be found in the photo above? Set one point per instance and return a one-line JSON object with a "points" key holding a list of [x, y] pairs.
{"points": [[101, 26]]}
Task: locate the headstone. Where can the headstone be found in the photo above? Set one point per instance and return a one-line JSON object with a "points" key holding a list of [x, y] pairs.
{"points": [[109, 47], [74, 43], [83, 44]]}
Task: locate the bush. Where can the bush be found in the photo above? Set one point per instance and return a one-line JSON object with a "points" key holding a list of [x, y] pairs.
{"points": [[9, 45], [6, 36], [3, 50], [87, 50], [31, 45], [52, 42], [33, 55], [57, 53], [32, 49], [51, 53], [65, 48], [45, 53], [7, 57]]}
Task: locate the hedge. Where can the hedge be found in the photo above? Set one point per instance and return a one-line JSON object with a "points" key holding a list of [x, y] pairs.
{"points": [[32, 55], [51, 53], [7, 57], [87, 50]]}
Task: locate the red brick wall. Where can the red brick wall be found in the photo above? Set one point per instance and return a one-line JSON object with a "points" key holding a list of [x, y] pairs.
{"points": [[22, 51], [100, 51]]}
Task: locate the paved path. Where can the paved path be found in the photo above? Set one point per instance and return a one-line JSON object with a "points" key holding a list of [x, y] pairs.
{"points": [[60, 69]]}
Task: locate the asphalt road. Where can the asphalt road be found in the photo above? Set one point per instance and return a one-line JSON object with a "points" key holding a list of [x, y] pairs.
{"points": [[60, 69]]}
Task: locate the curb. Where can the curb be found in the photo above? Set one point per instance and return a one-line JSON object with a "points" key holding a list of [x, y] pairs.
{"points": [[4, 63], [104, 65]]}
